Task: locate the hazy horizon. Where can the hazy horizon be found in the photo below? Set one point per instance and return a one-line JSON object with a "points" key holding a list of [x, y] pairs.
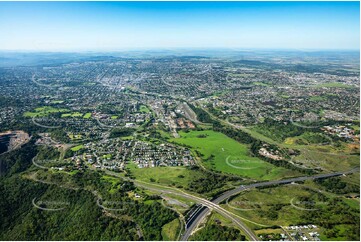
{"points": [[119, 26]]}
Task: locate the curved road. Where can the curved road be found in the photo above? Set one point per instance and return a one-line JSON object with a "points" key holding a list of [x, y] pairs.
{"points": [[200, 215]]}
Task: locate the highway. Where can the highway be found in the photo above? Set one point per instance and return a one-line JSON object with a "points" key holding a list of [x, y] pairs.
{"points": [[200, 215], [197, 217], [204, 202]]}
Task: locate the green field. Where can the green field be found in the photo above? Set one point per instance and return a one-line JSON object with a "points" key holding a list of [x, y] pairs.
{"points": [[285, 96], [222, 153], [107, 156], [56, 102], [260, 84], [258, 205], [75, 114], [65, 115], [144, 109], [87, 115], [111, 180], [164, 175], [327, 157], [170, 230], [333, 84], [44, 111], [317, 98], [78, 147], [293, 204]]}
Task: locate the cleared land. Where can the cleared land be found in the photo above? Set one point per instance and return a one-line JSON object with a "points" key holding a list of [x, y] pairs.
{"points": [[170, 230], [224, 154], [170, 176], [78, 147], [75, 114], [291, 205], [87, 115], [44, 111]]}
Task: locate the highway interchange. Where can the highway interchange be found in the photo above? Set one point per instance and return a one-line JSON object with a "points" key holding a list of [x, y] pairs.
{"points": [[205, 206], [200, 215]]}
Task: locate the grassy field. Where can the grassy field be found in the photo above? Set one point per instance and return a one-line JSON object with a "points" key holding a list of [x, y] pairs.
{"points": [[269, 231], [260, 84], [113, 181], [44, 111], [144, 109], [56, 102], [65, 115], [258, 205], [319, 150], [327, 157], [107, 156], [290, 205], [75, 114], [317, 98], [164, 175], [170, 230], [222, 153], [341, 234], [78, 147], [87, 115]]}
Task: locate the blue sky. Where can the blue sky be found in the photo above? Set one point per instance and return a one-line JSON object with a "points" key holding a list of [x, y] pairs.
{"points": [[133, 25]]}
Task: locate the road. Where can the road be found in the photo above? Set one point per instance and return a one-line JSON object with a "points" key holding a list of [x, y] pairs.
{"points": [[206, 203], [240, 127], [198, 217]]}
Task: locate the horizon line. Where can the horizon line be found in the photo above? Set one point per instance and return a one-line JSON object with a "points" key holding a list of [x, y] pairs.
{"points": [[131, 49]]}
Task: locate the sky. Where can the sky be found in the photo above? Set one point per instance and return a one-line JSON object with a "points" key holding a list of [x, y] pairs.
{"points": [[111, 26]]}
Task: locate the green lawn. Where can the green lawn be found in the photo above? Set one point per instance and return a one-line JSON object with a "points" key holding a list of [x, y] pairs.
{"points": [[163, 175], [44, 111], [107, 156], [78, 147], [333, 84], [65, 115], [260, 84], [317, 98], [229, 156], [87, 115], [56, 102], [74, 114], [285, 96], [144, 109]]}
